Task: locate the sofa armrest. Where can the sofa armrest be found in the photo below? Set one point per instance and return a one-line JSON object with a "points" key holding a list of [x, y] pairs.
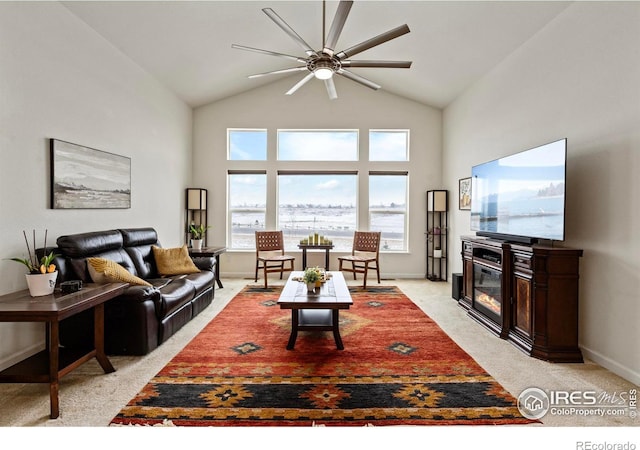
{"points": [[204, 263], [139, 294]]}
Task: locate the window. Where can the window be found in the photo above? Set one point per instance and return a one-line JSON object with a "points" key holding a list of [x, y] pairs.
{"points": [[319, 202], [388, 145], [318, 174], [247, 144], [247, 208], [318, 145], [388, 209]]}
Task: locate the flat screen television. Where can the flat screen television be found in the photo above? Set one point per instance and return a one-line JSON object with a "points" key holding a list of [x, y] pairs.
{"points": [[521, 197]]}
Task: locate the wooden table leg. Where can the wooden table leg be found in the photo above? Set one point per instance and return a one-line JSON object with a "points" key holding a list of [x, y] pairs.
{"points": [[294, 329], [336, 329], [218, 272], [53, 341], [326, 260], [98, 339], [304, 258]]}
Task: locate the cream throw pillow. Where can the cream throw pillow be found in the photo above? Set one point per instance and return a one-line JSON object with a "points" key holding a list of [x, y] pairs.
{"points": [[173, 261], [104, 271]]}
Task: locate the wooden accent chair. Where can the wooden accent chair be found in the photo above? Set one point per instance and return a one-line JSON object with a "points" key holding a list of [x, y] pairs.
{"points": [[270, 256], [364, 255]]}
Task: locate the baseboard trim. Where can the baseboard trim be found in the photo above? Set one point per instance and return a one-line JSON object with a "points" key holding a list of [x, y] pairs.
{"points": [[611, 365], [21, 355]]}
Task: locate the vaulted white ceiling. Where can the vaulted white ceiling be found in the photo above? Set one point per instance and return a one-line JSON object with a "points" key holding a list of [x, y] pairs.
{"points": [[187, 45]]}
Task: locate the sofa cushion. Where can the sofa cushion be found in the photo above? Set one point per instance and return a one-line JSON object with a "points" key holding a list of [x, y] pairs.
{"points": [[201, 280], [133, 237], [143, 259], [137, 243], [80, 266], [107, 271], [174, 295], [89, 244], [173, 261]]}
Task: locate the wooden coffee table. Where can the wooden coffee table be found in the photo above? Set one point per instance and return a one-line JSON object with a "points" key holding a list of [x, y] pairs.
{"points": [[319, 311]]}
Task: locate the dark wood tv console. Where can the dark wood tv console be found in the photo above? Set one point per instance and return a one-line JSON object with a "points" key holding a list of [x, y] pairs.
{"points": [[526, 294]]}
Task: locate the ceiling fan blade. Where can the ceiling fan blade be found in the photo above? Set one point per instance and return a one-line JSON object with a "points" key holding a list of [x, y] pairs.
{"points": [[331, 88], [287, 29], [358, 79], [300, 83], [267, 52], [380, 39], [336, 27], [275, 72], [383, 64]]}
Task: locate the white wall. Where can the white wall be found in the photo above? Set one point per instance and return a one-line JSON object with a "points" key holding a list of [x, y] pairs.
{"points": [[357, 107], [59, 79], [578, 78]]}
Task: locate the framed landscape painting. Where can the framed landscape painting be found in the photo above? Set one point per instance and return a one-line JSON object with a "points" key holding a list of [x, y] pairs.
{"points": [[86, 178], [464, 194]]}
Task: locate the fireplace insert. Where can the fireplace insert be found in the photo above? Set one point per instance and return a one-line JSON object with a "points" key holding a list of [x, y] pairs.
{"points": [[487, 292]]}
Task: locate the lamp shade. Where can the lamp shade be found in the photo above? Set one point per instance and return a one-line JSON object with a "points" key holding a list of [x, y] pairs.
{"points": [[437, 201], [196, 198]]}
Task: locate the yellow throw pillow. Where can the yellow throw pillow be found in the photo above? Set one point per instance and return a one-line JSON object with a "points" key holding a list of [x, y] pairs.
{"points": [[106, 271], [173, 261]]}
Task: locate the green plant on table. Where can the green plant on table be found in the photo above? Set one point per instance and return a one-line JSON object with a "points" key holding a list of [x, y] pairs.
{"points": [[311, 275], [35, 266], [198, 231]]}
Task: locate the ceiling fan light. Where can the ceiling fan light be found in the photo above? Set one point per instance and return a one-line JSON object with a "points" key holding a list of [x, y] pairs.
{"points": [[323, 73]]}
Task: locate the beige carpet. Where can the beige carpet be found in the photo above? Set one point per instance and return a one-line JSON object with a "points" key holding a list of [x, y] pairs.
{"points": [[90, 398]]}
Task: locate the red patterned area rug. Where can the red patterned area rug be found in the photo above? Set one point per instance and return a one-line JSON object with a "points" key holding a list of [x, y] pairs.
{"points": [[397, 368]]}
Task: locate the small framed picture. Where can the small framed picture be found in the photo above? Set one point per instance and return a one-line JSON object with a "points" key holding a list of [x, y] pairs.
{"points": [[464, 196]]}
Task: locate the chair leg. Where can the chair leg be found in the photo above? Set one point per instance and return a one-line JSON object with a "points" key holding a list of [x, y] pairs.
{"points": [[366, 270], [378, 272], [353, 266], [256, 277], [281, 269], [265, 276]]}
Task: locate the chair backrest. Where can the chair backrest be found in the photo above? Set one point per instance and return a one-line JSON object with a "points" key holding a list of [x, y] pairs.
{"points": [[269, 241], [366, 241]]}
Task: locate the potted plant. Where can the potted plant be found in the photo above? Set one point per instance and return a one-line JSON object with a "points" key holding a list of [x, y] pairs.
{"points": [[310, 277], [197, 234], [42, 275]]}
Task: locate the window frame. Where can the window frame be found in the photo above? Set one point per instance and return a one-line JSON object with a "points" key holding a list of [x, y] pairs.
{"points": [[407, 131], [302, 172], [266, 149], [231, 210], [317, 130], [405, 212]]}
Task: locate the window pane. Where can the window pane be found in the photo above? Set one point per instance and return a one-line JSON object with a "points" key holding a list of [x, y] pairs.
{"points": [[387, 209], [392, 227], [317, 203], [318, 145], [244, 224], [247, 208], [389, 145], [247, 145]]}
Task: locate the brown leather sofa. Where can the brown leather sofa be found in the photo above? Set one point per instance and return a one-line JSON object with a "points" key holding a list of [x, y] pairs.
{"points": [[143, 317]]}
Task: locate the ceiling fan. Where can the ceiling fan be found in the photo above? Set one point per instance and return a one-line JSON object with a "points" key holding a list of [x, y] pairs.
{"points": [[325, 63]]}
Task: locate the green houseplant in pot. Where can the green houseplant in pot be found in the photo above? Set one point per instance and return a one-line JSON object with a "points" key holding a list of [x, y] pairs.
{"points": [[311, 275], [197, 235], [42, 275]]}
